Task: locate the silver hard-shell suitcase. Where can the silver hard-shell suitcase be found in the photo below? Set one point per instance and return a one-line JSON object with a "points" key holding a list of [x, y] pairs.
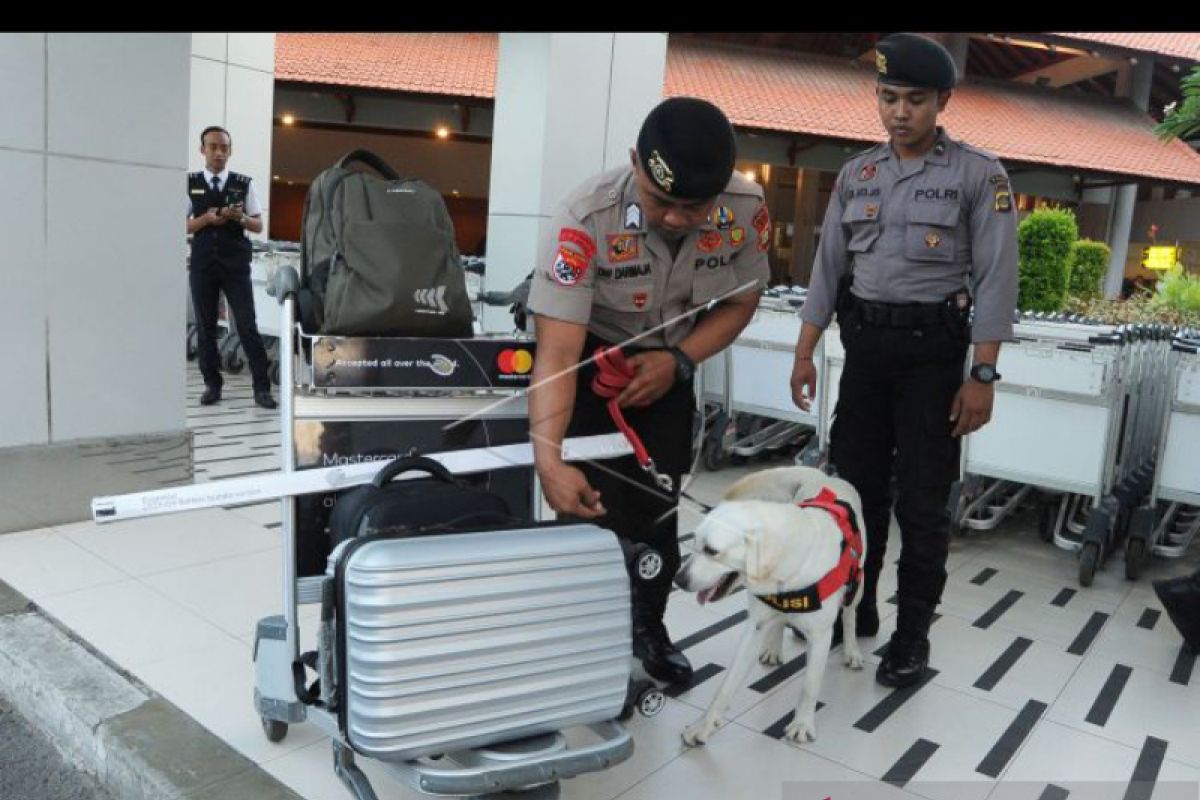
{"points": [[456, 641]]}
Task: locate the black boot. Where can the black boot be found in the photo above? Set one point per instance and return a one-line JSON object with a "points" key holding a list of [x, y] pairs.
{"points": [[1181, 598], [660, 658], [905, 661], [212, 394]]}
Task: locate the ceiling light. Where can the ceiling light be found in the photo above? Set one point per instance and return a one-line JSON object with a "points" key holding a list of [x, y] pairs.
{"points": [[443, 132], [288, 119]]}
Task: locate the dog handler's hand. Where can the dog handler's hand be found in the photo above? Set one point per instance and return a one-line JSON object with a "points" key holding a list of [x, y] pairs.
{"points": [[804, 376], [972, 407], [567, 491], [655, 375]]}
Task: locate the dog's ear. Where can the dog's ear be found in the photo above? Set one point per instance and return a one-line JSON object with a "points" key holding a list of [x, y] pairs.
{"points": [[762, 554]]}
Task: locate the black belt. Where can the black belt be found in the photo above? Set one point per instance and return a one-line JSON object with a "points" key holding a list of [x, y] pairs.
{"points": [[909, 315]]}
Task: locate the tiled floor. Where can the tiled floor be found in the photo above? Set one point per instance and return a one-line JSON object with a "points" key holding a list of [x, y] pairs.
{"points": [[1043, 689]]}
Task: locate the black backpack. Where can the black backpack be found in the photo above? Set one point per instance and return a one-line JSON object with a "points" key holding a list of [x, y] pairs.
{"points": [[438, 504], [378, 257]]}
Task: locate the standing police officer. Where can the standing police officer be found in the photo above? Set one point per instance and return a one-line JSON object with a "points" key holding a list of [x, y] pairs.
{"points": [[222, 206], [630, 252], [914, 227]]}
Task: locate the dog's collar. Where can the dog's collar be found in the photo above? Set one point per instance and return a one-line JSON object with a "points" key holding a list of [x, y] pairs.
{"points": [[846, 573]]}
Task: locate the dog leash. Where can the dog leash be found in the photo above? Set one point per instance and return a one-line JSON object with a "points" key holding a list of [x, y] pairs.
{"points": [[613, 374]]}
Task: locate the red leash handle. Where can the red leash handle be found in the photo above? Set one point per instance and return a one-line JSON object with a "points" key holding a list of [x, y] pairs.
{"points": [[613, 374]]}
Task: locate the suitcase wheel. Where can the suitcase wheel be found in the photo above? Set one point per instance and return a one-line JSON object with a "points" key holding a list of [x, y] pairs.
{"points": [[274, 729], [650, 701]]}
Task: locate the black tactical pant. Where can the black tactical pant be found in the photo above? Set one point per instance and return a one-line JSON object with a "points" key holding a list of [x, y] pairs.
{"points": [[637, 509], [893, 416], [239, 294]]}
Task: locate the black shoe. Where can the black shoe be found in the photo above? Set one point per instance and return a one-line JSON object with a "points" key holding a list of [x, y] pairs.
{"points": [[866, 623], [211, 395], [904, 663], [1181, 598], [662, 660], [264, 400]]}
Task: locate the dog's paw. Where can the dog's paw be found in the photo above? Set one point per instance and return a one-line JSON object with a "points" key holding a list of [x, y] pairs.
{"points": [[772, 654], [853, 658], [801, 731], [700, 731]]}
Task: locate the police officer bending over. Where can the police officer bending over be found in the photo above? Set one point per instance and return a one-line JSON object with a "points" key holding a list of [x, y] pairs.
{"points": [[914, 227], [221, 207], [631, 251]]}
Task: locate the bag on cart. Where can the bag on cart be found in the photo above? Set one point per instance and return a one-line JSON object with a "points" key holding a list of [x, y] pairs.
{"points": [[378, 256], [446, 624], [440, 503]]}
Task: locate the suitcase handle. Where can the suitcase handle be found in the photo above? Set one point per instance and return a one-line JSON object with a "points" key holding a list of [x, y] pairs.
{"points": [[371, 160], [420, 463]]}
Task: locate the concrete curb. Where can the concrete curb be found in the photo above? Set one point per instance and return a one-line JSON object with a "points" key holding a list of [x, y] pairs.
{"points": [[137, 745]]}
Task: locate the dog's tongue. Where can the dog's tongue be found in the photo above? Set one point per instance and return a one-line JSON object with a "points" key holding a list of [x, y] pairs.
{"points": [[704, 595]]}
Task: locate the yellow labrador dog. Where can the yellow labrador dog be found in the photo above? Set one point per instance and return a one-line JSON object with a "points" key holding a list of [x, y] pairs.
{"points": [[786, 555]]}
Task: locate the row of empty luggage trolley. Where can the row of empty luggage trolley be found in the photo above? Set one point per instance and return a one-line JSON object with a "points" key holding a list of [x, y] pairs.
{"points": [[1096, 424]]}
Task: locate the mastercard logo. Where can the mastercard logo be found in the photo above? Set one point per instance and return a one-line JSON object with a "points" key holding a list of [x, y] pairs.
{"points": [[515, 362]]}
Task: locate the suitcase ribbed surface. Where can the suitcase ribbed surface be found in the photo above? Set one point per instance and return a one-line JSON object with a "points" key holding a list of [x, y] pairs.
{"points": [[461, 640]]}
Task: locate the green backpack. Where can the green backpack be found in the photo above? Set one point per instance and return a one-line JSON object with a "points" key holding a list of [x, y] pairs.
{"points": [[377, 256]]}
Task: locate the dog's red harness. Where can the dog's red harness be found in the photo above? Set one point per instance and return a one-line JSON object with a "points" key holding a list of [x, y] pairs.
{"points": [[613, 374], [847, 571]]}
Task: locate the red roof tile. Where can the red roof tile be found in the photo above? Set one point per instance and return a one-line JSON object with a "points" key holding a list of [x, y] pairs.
{"points": [[1178, 45], [770, 90], [777, 91], [459, 64]]}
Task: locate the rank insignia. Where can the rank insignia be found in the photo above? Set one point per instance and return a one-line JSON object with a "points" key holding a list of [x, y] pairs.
{"points": [[932, 239], [639, 300], [737, 236], [871, 210], [709, 241], [868, 172], [633, 217], [881, 62]]}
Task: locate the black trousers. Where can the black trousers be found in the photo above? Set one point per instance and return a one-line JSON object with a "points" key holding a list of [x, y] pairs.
{"points": [[893, 417], [239, 294], [637, 509]]}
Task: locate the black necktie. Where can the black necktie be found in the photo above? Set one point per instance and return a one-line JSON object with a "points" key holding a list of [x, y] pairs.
{"points": [[216, 183]]}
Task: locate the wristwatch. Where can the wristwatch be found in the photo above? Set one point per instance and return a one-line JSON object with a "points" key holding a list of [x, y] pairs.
{"points": [[685, 368], [985, 373]]}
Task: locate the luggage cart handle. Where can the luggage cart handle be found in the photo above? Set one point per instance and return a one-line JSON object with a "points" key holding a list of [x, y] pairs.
{"points": [[284, 282]]}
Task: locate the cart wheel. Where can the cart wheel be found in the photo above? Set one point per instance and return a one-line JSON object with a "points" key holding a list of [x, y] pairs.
{"points": [[1135, 557], [274, 373], [1047, 518], [651, 701], [737, 460], [1089, 558], [231, 359], [714, 455], [274, 729]]}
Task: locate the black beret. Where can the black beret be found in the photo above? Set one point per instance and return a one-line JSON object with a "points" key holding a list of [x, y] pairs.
{"points": [[687, 148], [906, 59]]}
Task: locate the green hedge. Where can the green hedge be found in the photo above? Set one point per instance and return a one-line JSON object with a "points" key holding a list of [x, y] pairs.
{"points": [[1087, 265], [1044, 241]]}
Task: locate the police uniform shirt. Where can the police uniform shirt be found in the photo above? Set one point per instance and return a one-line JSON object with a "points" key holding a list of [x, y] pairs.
{"points": [[602, 266], [917, 230], [252, 208]]}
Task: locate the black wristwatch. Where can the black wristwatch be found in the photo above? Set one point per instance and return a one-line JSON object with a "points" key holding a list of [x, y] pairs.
{"points": [[985, 373], [685, 368]]}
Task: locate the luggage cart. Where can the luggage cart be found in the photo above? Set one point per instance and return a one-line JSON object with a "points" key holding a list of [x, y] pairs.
{"points": [[1168, 522], [748, 414], [1077, 414], [344, 383]]}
